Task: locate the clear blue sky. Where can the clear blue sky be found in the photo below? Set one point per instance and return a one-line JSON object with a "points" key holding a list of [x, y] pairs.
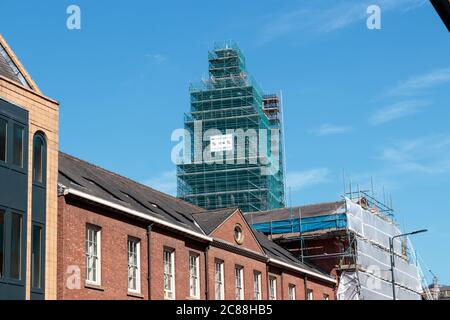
{"points": [[373, 102]]}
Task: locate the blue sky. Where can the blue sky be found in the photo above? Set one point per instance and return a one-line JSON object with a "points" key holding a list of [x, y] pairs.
{"points": [[372, 102]]}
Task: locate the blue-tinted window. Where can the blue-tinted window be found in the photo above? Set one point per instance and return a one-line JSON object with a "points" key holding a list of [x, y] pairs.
{"points": [[38, 158], [3, 137], [2, 241], [18, 137], [16, 246], [36, 257]]}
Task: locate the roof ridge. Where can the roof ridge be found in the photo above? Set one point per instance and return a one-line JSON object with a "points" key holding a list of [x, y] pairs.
{"points": [[130, 180], [231, 209], [296, 207]]}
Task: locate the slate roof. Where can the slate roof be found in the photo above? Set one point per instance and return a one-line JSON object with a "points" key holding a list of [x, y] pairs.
{"points": [[313, 210], [210, 220], [275, 251], [95, 181], [9, 70]]}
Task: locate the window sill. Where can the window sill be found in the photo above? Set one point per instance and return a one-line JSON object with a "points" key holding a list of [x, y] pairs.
{"points": [[94, 286], [135, 295]]}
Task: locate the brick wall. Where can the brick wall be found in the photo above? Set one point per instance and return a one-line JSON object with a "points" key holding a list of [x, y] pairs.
{"points": [[225, 232], [74, 215], [231, 260], [182, 247], [320, 288]]}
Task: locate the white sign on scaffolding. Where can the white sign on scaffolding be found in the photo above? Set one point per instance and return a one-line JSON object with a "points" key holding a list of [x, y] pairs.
{"points": [[221, 143]]}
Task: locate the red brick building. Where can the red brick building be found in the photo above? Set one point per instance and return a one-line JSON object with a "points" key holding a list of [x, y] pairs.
{"points": [[118, 239]]}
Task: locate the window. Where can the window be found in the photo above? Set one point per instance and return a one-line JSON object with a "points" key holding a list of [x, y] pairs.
{"points": [[134, 265], [238, 235], [257, 285], [36, 260], [3, 139], [291, 292], [219, 280], [2, 240], [169, 274], [93, 261], [309, 294], [326, 297], [38, 158], [16, 246], [18, 145], [272, 288], [194, 275], [239, 275]]}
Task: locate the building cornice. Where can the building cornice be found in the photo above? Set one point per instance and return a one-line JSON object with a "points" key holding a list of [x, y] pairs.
{"points": [[35, 93]]}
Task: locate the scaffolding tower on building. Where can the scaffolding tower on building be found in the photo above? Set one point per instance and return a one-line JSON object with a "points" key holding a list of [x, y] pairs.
{"points": [[231, 110]]}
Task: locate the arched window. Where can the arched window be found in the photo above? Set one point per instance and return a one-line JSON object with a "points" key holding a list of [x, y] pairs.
{"points": [[38, 216], [39, 158]]}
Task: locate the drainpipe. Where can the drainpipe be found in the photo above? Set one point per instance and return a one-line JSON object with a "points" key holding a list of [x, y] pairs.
{"points": [[149, 269], [206, 273], [306, 287]]}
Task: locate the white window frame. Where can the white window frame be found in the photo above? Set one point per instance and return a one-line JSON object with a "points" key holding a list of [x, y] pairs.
{"points": [[292, 288], [96, 255], [257, 285], [169, 294], [326, 296], [309, 294], [219, 280], [239, 282], [272, 288], [137, 267], [194, 275]]}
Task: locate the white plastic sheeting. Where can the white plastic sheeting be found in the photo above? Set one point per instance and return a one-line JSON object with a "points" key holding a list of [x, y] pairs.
{"points": [[372, 288], [348, 286], [372, 234], [372, 226]]}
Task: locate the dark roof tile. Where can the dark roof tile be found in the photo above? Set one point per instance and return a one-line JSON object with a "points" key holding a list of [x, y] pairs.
{"points": [[210, 220], [9, 70], [313, 210], [83, 176]]}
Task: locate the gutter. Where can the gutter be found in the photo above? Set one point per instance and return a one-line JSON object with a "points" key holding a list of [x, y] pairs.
{"points": [[136, 213], [314, 274]]}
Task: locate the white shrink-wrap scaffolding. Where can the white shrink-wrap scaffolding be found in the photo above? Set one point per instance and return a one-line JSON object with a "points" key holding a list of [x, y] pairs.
{"points": [[372, 233]]}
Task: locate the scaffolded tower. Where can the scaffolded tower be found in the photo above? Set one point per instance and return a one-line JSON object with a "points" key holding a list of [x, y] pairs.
{"points": [[227, 109]]}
